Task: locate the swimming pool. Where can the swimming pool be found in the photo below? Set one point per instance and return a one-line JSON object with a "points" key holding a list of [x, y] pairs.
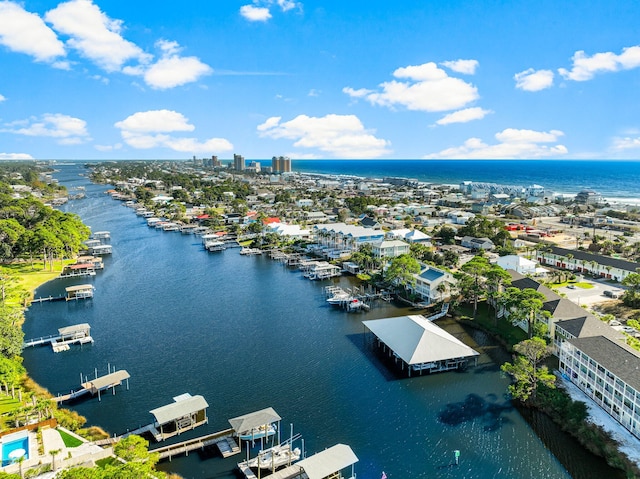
{"points": [[10, 446]]}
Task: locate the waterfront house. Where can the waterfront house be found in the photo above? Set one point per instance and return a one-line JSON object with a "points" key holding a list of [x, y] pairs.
{"points": [[345, 237], [608, 372], [432, 284], [389, 248]]}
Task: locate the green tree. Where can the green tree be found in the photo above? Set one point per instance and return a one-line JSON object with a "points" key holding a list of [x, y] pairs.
{"points": [[476, 268], [401, 270], [496, 278], [631, 296], [525, 305], [527, 370]]}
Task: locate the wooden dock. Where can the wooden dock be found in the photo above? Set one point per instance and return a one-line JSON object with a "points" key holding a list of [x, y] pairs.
{"points": [[223, 439], [97, 385], [286, 473], [76, 334]]}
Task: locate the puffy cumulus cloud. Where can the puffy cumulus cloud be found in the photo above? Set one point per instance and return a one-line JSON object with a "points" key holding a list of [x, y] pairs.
{"points": [[468, 67], [342, 136], [26, 32], [172, 70], [163, 121], [94, 35], [260, 11], [66, 129], [513, 144], [586, 67], [464, 116], [532, 80], [2, 98], [255, 14], [16, 156], [427, 88], [149, 129]]}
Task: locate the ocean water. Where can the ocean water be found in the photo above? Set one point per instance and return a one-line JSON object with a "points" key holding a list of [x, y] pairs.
{"points": [[248, 333], [614, 179]]}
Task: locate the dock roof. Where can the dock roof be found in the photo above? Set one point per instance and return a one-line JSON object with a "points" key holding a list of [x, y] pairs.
{"points": [[76, 328], [104, 381], [327, 462], [255, 419], [416, 340], [79, 287], [183, 405]]}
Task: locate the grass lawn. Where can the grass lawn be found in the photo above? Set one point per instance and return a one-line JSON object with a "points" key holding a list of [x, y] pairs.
{"points": [[31, 277], [582, 284], [510, 333], [7, 404], [69, 440]]}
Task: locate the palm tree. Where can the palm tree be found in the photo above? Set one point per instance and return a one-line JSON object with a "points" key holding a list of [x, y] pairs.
{"points": [[53, 453]]}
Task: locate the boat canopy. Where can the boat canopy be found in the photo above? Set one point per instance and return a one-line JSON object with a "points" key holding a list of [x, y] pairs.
{"points": [[328, 462], [417, 340], [246, 423], [183, 405], [76, 328]]}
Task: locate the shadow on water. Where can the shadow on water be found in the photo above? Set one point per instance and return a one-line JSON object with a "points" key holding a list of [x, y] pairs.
{"points": [[488, 410], [383, 364]]}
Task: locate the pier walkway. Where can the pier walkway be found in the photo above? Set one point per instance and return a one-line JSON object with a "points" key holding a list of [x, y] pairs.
{"points": [[95, 386], [223, 439]]}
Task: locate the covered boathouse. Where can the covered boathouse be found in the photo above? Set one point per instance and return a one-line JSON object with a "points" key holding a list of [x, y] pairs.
{"points": [[256, 425], [420, 344], [185, 413], [329, 463]]}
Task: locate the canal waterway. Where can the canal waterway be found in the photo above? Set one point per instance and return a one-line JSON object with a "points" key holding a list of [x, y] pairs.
{"points": [[248, 333]]}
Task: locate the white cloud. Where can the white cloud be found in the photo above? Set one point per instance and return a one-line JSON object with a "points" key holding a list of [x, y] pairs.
{"points": [[342, 136], [2, 98], [513, 144], [172, 70], [94, 34], [26, 32], [586, 67], [532, 80], [464, 116], [66, 129], [428, 88], [626, 143], [260, 11], [255, 14], [468, 67], [16, 156], [149, 129], [164, 121]]}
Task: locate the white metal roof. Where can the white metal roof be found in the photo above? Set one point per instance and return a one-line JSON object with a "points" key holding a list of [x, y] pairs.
{"points": [[327, 462], [416, 340], [76, 328], [182, 406], [247, 422]]}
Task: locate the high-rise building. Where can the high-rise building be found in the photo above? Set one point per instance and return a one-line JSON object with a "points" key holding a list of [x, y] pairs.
{"points": [[238, 162], [281, 164]]}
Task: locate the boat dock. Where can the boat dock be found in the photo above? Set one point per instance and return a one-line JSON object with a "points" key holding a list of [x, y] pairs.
{"points": [[223, 440], [80, 291], [95, 386], [76, 334]]}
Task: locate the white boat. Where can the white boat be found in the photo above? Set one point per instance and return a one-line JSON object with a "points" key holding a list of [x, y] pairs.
{"points": [[258, 433], [275, 457], [339, 298], [215, 246]]}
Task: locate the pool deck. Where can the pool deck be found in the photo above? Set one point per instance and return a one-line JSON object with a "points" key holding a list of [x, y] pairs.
{"points": [[52, 441]]}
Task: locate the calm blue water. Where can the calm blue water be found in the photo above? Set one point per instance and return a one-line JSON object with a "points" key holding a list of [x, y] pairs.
{"points": [[247, 333], [611, 178]]}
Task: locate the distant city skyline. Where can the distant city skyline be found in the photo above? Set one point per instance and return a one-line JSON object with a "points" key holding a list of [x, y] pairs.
{"points": [[92, 79]]}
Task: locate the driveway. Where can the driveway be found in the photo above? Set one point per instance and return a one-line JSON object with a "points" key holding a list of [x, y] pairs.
{"points": [[590, 296]]}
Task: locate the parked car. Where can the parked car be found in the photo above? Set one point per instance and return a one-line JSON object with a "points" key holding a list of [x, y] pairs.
{"points": [[611, 294]]}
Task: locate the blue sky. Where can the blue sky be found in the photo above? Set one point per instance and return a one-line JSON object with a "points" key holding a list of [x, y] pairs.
{"points": [[98, 79]]}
